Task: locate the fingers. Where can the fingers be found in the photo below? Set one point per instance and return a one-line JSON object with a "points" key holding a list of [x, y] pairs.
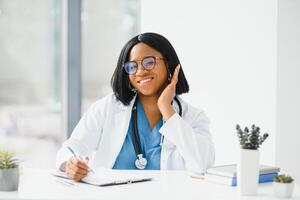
{"points": [[76, 169], [79, 163], [175, 75], [75, 173], [76, 177]]}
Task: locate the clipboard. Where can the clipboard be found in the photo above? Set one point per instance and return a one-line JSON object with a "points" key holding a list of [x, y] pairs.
{"points": [[105, 177], [122, 182]]}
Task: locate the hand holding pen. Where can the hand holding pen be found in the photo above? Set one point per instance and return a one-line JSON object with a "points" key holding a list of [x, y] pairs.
{"points": [[77, 167]]}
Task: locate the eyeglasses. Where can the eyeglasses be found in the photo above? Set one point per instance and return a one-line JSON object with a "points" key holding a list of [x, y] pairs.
{"points": [[148, 63]]}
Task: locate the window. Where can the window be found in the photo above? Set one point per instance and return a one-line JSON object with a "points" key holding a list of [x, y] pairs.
{"points": [[30, 85], [106, 27], [31, 57]]}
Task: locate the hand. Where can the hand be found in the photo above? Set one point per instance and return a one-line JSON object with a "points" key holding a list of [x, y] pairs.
{"points": [[166, 97], [77, 169]]}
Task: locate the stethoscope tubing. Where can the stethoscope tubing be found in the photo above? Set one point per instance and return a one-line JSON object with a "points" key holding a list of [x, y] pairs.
{"points": [[136, 138]]}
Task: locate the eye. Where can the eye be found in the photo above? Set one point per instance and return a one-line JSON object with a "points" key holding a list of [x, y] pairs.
{"points": [[148, 62], [130, 67]]}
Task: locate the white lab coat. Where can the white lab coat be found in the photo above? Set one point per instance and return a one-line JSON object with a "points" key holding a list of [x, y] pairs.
{"points": [[187, 143]]}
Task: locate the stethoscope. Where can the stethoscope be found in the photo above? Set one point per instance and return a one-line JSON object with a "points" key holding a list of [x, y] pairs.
{"points": [[141, 161]]}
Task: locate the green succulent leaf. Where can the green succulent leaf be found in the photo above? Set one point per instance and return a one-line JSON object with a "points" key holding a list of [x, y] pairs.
{"points": [[283, 178], [7, 160], [250, 138]]}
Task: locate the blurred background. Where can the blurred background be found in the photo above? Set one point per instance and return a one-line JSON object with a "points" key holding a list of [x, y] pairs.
{"points": [[241, 59], [32, 54]]}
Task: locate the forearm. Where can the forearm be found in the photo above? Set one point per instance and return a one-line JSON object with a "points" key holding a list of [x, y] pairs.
{"points": [[167, 111]]}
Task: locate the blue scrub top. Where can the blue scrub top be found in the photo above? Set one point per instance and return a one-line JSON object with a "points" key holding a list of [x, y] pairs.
{"points": [[150, 143]]}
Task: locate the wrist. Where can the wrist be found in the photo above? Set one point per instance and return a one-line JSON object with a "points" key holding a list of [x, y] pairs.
{"points": [[167, 112]]}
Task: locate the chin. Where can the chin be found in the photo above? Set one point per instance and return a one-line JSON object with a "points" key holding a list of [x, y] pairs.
{"points": [[147, 93]]}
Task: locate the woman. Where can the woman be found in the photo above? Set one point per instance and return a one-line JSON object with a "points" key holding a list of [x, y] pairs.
{"points": [[143, 124]]}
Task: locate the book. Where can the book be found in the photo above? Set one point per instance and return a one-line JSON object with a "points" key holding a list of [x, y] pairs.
{"points": [[226, 174], [105, 177], [232, 181], [230, 170]]}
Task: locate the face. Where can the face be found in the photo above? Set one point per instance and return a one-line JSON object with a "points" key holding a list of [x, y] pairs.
{"points": [[148, 82]]}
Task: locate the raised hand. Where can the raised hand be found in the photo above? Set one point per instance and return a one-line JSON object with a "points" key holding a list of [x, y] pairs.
{"points": [[166, 97]]}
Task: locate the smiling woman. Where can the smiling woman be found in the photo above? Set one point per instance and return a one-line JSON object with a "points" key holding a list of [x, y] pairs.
{"points": [[139, 126], [147, 80]]}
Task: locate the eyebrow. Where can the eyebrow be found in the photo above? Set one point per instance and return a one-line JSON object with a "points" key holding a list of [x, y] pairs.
{"points": [[144, 57]]}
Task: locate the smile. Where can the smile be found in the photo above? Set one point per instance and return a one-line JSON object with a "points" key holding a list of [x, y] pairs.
{"points": [[144, 81]]}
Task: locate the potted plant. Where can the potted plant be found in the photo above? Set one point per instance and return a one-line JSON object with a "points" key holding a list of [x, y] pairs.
{"points": [[283, 185], [9, 171], [248, 164]]}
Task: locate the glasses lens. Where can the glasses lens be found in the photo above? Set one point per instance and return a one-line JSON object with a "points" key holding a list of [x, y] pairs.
{"points": [[130, 67], [148, 63]]}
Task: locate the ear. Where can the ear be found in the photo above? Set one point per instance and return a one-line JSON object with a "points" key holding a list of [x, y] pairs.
{"points": [[169, 73], [169, 78]]}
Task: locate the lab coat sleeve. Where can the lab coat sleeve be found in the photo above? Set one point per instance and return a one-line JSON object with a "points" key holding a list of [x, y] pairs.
{"points": [[86, 135], [191, 140]]}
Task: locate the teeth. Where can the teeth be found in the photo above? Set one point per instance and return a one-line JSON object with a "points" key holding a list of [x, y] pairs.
{"points": [[145, 80]]}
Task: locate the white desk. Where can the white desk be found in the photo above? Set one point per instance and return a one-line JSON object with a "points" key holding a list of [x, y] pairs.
{"points": [[39, 184]]}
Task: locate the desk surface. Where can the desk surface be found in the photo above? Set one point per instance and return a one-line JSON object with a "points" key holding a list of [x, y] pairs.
{"points": [[39, 184]]}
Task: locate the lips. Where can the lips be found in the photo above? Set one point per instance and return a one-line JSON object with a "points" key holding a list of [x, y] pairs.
{"points": [[145, 80]]}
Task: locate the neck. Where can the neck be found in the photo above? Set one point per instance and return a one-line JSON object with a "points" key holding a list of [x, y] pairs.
{"points": [[151, 109], [149, 101]]}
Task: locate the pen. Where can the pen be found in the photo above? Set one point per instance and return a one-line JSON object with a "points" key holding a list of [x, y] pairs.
{"points": [[74, 154], [129, 181]]}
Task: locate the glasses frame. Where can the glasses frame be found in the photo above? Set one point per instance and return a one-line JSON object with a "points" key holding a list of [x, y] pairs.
{"points": [[141, 61]]}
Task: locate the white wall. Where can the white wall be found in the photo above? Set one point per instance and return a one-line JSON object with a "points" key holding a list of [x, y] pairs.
{"points": [[288, 92], [228, 52]]}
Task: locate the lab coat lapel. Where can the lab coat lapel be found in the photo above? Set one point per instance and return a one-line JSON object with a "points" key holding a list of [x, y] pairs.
{"points": [[114, 134], [120, 127]]}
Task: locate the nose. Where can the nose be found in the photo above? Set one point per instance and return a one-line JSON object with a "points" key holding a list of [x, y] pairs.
{"points": [[140, 69]]}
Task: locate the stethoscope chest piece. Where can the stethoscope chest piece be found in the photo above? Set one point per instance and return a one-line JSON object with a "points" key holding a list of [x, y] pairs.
{"points": [[140, 162]]}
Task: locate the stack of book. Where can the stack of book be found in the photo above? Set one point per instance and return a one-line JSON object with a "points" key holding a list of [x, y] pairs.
{"points": [[226, 174]]}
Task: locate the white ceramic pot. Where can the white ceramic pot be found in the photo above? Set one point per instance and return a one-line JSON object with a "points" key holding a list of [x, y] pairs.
{"points": [[9, 179], [248, 172], [283, 190]]}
